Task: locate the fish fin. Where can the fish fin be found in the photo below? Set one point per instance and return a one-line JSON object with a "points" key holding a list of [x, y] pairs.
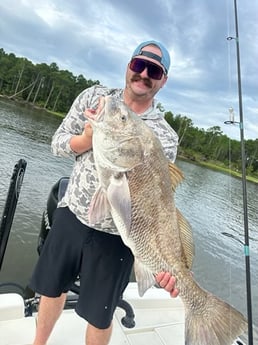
{"points": [[118, 194], [176, 175], [144, 277], [215, 323], [99, 206], [187, 241]]}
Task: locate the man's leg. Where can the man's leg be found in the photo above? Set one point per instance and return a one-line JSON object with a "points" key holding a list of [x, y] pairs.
{"points": [[96, 336], [50, 309]]}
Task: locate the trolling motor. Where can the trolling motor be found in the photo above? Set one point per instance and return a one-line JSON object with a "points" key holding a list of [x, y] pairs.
{"points": [[56, 193], [7, 221], [10, 205]]}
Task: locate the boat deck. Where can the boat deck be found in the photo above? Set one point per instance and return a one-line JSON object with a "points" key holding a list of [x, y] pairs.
{"points": [[159, 321], [157, 317]]}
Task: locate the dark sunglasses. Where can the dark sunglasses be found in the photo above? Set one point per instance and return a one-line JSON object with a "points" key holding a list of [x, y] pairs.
{"points": [[154, 71]]}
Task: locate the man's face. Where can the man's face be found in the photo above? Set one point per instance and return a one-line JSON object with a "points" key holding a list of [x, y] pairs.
{"points": [[141, 84]]}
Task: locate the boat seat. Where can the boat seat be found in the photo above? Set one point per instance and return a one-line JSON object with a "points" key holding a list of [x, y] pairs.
{"points": [[11, 306]]}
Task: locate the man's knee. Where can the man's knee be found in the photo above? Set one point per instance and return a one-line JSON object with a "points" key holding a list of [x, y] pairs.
{"points": [[97, 336]]}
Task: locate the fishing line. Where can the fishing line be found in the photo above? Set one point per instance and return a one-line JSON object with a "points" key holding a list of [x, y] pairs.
{"points": [[229, 51], [244, 187], [229, 187]]}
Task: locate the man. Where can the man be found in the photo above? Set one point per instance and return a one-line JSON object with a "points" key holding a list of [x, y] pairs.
{"points": [[72, 247]]}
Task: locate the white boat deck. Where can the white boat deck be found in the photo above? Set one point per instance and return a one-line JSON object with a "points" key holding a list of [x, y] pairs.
{"points": [[159, 321], [157, 317]]}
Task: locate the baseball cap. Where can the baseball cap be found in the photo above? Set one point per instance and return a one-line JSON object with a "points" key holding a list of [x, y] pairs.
{"points": [[164, 59]]}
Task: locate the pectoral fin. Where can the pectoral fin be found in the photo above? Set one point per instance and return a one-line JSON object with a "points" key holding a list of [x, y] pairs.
{"points": [[119, 198], [99, 206]]}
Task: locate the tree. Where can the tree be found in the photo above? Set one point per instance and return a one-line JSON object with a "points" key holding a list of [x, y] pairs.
{"points": [[49, 87], [41, 84]]}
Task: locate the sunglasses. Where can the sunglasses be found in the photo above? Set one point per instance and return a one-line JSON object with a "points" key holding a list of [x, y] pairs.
{"points": [[154, 71]]}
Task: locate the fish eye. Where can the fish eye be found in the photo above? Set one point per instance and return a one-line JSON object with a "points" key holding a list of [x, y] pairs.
{"points": [[123, 118]]}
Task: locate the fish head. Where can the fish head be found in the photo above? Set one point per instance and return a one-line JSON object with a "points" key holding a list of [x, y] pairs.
{"points": [[119, 135]]}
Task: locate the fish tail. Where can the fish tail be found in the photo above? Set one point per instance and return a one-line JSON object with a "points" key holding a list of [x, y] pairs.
{"points": [[214, 322]]}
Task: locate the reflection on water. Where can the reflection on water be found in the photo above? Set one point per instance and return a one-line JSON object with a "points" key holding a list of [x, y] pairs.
{"points": [[211, 201]]}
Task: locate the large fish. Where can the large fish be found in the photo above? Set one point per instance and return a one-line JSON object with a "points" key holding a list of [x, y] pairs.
{"points": [[137, 185]]}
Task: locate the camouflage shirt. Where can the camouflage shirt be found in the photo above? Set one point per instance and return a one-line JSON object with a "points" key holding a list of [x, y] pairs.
{"points": [[83, 180]]}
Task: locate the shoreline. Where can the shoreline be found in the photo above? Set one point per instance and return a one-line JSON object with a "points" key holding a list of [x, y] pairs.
{"points": [[208, 165], [212, 166]]}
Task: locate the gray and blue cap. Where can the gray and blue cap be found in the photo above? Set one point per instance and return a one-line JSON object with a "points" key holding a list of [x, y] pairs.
{"points": [[164, 59]]}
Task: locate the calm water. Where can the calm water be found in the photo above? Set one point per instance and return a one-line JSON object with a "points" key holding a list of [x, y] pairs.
{"points": [[211, 201]]}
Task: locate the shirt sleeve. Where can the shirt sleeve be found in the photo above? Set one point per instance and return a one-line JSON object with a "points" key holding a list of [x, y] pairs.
{"points": [[74, 122], [167, 136]]}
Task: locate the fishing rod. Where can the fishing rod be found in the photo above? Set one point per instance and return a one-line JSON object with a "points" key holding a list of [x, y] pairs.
{"points": [[10, 205], [244, 191]]}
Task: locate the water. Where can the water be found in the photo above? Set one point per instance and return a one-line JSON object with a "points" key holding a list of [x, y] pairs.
{"points": [[27, 134], [211, 201]]}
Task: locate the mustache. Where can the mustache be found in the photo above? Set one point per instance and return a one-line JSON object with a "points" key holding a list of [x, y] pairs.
{"points": [[147, 82]]}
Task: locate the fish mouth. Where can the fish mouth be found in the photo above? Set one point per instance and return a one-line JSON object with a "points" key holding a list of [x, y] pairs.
{"points": [[96, 115]]}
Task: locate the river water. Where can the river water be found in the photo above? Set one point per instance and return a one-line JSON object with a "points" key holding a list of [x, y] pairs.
{"points": [[211, 201]]}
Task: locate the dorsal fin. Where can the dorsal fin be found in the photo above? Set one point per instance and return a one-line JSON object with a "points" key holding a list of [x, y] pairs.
{"points": [[176, 175], [186, 237], [185, 230]]}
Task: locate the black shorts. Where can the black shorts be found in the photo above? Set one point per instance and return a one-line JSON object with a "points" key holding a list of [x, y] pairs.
{"points": [[101, 260]]}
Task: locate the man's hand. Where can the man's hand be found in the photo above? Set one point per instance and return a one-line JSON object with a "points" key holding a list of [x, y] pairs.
{"points": [[167, 282], [87, 130], [81, 143]]}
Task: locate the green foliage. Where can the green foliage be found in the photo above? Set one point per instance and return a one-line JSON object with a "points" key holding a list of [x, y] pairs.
{"points": [[41, 84], [49, 87], [213, 146]]}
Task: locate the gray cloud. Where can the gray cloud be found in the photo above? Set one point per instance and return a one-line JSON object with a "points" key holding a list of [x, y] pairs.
{"points": [[97, 38]]}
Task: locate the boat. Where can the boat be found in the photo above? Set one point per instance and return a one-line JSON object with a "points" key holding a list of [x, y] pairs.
{"points": [[155, 318], [159, 320]]}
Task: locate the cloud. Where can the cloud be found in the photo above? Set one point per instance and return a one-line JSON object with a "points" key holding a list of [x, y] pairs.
{"points": [[97, 38]]}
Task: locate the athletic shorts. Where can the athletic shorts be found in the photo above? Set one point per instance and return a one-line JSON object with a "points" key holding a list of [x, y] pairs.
{"points": [[101, 260]]}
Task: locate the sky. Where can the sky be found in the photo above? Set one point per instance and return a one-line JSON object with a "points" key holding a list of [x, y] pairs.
{"points": [[97, 38]]}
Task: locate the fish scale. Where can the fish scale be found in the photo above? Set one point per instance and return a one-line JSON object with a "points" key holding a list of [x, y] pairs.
{"points": [[137, 182]]}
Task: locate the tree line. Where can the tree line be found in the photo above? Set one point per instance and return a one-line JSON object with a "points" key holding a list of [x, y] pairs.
{"points": [[212, 145], [40, 84], [48, 87]]}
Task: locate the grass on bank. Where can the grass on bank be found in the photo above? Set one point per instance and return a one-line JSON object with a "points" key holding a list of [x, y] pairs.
{"points": [[216, 166], [192, 157]]}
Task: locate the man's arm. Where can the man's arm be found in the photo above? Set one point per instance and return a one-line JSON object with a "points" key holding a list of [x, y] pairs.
{"points": [[82, 142]]}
